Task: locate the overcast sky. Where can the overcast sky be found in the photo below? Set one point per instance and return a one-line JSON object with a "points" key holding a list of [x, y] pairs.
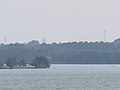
{"points": [[59, 20]]}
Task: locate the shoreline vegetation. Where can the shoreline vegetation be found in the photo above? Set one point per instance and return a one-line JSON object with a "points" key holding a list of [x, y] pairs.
{"points": [[37, 63], [16, 67], [32, 67]]}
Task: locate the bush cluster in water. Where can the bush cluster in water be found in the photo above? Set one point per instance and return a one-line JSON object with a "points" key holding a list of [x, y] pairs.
{"points": [[38, 62]]}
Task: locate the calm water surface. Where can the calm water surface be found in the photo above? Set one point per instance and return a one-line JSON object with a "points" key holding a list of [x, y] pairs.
{"points": [[62, 77]]}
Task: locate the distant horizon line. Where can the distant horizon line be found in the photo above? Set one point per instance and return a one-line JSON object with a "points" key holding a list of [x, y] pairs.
{"points": [[41, 42]]}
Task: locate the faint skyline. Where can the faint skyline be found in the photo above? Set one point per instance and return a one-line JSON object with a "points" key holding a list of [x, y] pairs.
{"points": [[59, 20]]}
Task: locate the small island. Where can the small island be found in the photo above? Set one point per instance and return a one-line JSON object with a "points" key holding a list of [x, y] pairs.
{"points": [[38, 62]]}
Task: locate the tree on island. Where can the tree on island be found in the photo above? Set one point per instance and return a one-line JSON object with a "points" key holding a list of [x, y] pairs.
{"points": [[11, 62], [22, 63], [41, 62], [1, 64]]}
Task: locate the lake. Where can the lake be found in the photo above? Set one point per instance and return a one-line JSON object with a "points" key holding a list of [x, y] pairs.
{"points": [[62, 77]]}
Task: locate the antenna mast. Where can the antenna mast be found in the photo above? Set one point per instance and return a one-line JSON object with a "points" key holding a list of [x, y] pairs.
{"points": [[104, 35], [5, 40], [44, 40]]}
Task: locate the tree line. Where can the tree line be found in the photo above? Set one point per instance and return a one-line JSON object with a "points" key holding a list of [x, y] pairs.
{"points": [[69, 52]]}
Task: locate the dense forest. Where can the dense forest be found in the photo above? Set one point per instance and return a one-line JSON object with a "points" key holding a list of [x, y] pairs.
{"points": [[70, 52]]}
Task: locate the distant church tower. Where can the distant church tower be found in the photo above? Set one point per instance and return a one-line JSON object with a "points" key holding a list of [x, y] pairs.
{"points": [[44, 40]]}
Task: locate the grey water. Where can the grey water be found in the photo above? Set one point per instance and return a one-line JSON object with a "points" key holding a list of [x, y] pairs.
{"points": [[62, 77]]}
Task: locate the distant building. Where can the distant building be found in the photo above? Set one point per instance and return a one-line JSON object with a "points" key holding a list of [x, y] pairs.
{"points": [[4, 65]]}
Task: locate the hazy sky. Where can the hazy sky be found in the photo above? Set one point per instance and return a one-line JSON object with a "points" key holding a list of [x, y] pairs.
{"points": [[59, 20]]}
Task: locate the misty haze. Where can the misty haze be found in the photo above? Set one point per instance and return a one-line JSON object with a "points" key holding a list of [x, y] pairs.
{"points": [[59, 45]]}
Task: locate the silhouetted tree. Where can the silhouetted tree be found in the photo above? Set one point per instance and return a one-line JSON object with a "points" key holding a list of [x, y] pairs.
{"points": [[22, 63], [41, 62], [11, 62], [1, 64]]}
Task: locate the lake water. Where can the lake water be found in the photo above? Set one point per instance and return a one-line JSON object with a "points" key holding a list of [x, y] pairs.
{"points": [[62, 77]]}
